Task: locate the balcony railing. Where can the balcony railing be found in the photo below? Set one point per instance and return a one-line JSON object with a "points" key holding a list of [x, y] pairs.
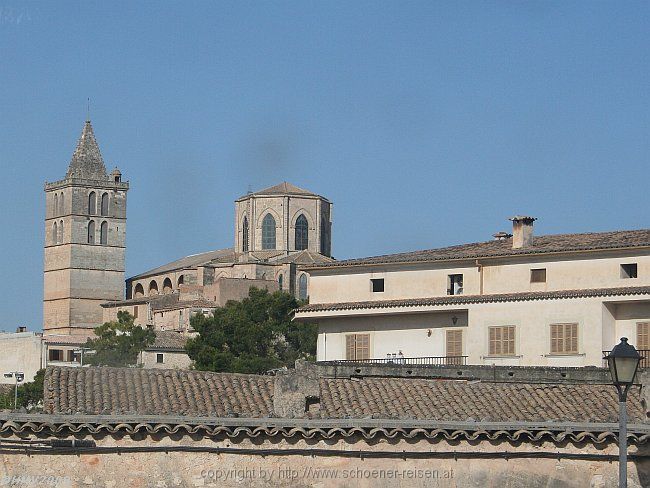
{"points": [[644, 363], [421, 361]]}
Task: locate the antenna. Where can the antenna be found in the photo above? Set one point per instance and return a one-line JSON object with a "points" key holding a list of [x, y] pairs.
{"points": [[88, 110]]}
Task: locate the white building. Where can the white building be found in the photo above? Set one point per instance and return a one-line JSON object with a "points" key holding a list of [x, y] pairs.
{"points": [[556, 300]]}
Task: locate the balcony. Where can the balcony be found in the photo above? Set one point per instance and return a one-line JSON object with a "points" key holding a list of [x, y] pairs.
{"points": [[421, 361], [644, 363]]}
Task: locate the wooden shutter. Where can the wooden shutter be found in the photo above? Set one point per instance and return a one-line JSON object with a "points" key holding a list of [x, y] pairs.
{"points": [[357, 346], [643, 335], [454, 343], [502, 341], [564, 338], [349, 347], [509, 339]]}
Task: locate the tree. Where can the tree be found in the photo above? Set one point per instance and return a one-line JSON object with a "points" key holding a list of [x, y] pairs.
{"points": [[118, 343], [251, 336], [30, 394]]}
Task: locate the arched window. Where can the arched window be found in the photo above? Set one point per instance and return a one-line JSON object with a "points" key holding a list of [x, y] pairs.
{"points": [[280, 282], [139, 290], [153, 288], [302, 233], [103, 233], [268, 232], [105, 204], [61, 204], [91, 232], [56, 204], [181, 280], [244, 235], [61, 233], [167, 286], [302, 287], [55, 234], [92, 203]]}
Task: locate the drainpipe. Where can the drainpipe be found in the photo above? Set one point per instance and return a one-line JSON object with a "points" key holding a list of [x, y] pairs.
{"points": [[480, 273]]}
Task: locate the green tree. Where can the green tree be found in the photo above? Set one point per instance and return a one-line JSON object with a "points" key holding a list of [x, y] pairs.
{"points": [[118, 343], [251, 336], [30, 394]]}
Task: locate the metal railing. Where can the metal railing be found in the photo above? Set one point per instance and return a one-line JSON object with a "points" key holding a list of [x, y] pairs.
{"points": [[644, 363], [421, 361]]}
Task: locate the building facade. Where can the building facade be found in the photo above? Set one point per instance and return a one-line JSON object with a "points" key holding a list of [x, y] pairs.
{"points": [[558, 300], [85, 232]]}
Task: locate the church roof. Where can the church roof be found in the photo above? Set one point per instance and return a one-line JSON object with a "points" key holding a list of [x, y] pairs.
{"points": [[305, 257], [87, 160], [283, 188], [189, 262]]}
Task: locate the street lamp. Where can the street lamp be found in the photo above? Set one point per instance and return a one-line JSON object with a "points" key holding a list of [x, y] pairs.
{"points": [[19, 377], [623, 361]]}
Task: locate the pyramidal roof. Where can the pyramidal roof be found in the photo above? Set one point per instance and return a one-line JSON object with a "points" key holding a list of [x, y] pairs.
{"points": [[87, 160], [283, 188]]}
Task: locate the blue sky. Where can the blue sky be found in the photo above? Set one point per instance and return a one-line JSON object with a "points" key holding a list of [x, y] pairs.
{"points": [[426, 123]]}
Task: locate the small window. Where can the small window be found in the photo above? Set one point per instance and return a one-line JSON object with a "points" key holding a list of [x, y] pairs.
{"points": [[377, 285], [643, 336], [55, 355], [502, 340], [55, 233], [280, 282], [91, 232], [628, 271], [92, 203], [159, 358], [244, 235], [104, 205], [455, 284], [538, 275], [103, 233], [302, 287], [357, 347], [564, 338], [454, 346]]}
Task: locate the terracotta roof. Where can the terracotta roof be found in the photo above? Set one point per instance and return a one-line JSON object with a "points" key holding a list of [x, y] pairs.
{"points": [[467, 299], [73, 340], [305, 257], [498, 248], [181, 304], [189, 262], [87, 160], [168, 341], [115, 391]]}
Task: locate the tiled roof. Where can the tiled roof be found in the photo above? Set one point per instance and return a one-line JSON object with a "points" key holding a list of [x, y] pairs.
{"points": [[72, 340], [87, 160], [467, 299], [182, 304], [498, 248], [283, 188], [305, 257], [115, 391], [168, 341], [190, 262]]}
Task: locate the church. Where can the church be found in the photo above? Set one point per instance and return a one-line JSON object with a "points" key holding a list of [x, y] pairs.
{"points": [[278, 231]]}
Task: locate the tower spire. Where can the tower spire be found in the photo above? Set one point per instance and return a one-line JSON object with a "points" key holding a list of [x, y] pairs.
{"points": [[87, 160]]}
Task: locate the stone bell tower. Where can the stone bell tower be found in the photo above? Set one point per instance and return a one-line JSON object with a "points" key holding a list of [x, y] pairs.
{"points": [[85, 232]]}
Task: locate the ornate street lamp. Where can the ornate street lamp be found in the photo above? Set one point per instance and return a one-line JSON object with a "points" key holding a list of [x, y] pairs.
{"points": [[623, 361]]}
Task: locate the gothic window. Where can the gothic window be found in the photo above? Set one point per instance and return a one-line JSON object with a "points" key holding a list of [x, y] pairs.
{"points": [[56, 204], [139, 290], [91, 232], [92, 203], [103, 233], [167, 286], [153, 288], [105, 204], [302, 233], [280, 282], [268, 232], [244, 235], [302, 287], [61, 233], [61, 204], [55, 234]]}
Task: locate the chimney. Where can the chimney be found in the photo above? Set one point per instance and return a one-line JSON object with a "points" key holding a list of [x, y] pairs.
{"points": [[522, 231], [21, 328]]}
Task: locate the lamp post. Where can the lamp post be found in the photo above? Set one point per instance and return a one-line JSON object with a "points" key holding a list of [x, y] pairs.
{"points": [[19, 376], [623, 361]]}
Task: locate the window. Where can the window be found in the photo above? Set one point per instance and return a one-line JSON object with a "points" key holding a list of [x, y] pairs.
{"points": [[167, 286], [55, 355], [61, 204], [377, 285], [181, 280], [135, 312], [55, 233], [244, 235], [139, 290], [538, 275], [302, 287], [92, 203], [153, 288], [56, 204], [628, 270], [61, 233], [357, 347], [105, 204], [103, 233], [280, 282], [502, 340], [454, 346], [455, 284], [564, 338], [91, 232], [302, 233], [643, 336], [160, 358], [268, 232]]}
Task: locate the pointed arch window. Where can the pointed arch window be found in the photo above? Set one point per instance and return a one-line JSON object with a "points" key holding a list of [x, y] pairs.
{"points": [[92, 203], [104, 208], [244, 235], [56, 204], [91, 232], [61, 233], [280, 282], [55, 233], [302, 233], [103, 233], [61, 204], [302, 287], [268, 232]]}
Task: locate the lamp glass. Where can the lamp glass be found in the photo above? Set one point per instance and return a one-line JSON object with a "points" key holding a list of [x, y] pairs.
{"points": [[623, 369]]}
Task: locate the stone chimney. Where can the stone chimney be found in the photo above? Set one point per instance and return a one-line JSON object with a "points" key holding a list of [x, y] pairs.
{"points": [[522, 231]]}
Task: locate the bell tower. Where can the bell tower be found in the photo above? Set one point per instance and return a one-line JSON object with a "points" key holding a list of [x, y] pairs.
{"points": [[85, 238]]}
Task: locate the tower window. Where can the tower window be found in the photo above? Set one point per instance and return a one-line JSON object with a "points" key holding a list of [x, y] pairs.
{"points": [[61, 233], [103, 233], [91, 232], [377, 285], [302, 233], [268, 232], [628, 270], [56, 204], [55, 233], [105, 204], [302, 287], [61, 204], [92, 203], [244, 235]]}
